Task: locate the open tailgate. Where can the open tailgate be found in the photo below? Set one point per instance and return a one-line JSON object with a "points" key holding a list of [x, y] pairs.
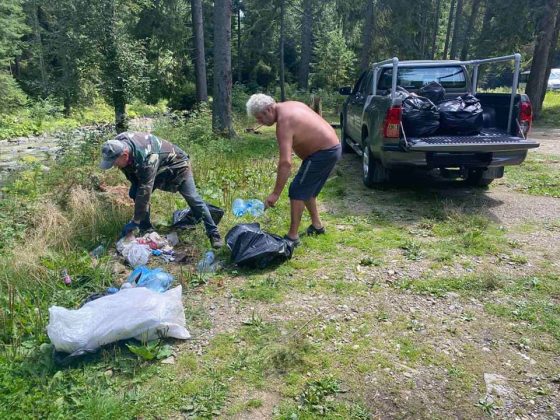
{"points": [[485, 142]]}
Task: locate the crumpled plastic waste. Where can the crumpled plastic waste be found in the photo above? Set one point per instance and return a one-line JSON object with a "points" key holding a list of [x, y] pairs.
{"points": [[137, 251], [155, 279], [134, 313]]}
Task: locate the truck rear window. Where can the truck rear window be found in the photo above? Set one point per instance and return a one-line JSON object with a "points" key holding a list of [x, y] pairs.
{"points": [[416, 77]]}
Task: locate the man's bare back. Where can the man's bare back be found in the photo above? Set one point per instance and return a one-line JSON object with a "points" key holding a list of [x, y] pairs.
{"points": [[308, 130]]}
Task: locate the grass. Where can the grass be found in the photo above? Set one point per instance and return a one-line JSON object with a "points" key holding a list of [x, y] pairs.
{"points": [[550, 111], [330, 333], [538, 175]]}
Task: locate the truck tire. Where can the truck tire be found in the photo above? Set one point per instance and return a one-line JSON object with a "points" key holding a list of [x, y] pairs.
{"points": [[346, 148], [475, 178], [374, 174]]}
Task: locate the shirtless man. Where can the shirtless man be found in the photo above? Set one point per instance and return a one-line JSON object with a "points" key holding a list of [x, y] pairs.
{"points": [[312, 139]]}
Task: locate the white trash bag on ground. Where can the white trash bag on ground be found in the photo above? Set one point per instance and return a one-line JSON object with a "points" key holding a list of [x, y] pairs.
{"points": [[131, 313]]}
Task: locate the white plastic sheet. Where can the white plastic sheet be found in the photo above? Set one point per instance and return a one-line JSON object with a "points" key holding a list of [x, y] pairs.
{"points": [[131, 313]]}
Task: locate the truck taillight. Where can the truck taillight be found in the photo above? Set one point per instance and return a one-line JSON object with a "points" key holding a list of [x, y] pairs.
{"points": [[392, 123], [525, 117]]}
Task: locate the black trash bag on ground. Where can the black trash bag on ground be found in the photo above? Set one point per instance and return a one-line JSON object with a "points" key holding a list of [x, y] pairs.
{"points": [[462, 115], [420, 116], [433, 91], [251, 247], [185, 217]]}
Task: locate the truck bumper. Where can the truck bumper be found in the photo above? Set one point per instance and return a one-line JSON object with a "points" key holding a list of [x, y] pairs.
{"points": [[392, 159]]}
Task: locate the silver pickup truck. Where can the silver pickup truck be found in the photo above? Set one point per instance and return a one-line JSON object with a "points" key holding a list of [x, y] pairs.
{"points": [[371, 122]]}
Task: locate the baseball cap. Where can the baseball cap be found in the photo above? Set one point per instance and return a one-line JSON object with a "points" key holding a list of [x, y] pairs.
{"points": [[110, 151]]}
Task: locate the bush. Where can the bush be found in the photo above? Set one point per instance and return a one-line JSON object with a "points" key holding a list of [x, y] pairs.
{"points": [[11, 95]]}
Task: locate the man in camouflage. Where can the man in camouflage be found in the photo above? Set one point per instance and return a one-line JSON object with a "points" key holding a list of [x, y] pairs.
{"points": [[150, 163]]}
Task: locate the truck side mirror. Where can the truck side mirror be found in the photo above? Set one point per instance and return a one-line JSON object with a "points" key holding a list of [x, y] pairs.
{"points": [[346, 90]]}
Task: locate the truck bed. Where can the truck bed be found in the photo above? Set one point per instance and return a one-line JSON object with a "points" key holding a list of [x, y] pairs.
{"points": [[488, 140]]}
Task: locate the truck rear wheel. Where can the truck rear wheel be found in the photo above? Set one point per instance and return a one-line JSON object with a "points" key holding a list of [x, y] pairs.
{"points": [[374, 174], [475, 178], [346, 148]]}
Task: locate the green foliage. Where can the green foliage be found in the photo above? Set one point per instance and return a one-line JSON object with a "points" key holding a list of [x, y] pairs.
{"points": [[11, 96], [151, 350], [12, 29], [335, 63]]}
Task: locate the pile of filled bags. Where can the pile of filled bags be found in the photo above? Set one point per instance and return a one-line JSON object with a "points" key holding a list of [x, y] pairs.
{"points": [[428, 112]]}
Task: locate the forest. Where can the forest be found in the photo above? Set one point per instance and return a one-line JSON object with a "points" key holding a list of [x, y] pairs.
{"points": [[426, 297], [62, 57]]}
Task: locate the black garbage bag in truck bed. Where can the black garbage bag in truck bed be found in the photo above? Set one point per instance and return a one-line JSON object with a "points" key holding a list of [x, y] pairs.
{"points": [[462, 115], [420, 116], [433, 91], [251, 247]]}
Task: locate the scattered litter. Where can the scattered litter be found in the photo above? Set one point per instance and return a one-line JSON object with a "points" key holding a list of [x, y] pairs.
{"points": [[172, 238], [155, 279], [185, 218], [252, 247], [66, 277], [138, 254], [112, 290], [208, 263], [134, 313], [252, 206], [98, 251], [137, 251]]}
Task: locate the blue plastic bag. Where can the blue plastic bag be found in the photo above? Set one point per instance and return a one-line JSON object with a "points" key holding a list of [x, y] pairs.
{"points": [[155, 279]]}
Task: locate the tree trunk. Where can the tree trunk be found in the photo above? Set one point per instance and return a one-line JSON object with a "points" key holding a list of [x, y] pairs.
{"points": [[536, 86], [469, 29], [306, 37], [449, 26], [119, 104], [221, 104], [482, 39], [239, 72], [39, 45], [456, 30], [436, 29], [282, 22], [199, 59], [552, 52], [367, 35]]}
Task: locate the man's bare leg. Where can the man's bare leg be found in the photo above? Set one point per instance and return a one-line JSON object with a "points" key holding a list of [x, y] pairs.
{"points": [[296, 210], [311, 205]]}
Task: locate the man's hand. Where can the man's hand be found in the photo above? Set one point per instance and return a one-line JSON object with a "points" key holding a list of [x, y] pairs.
{"points": [[271, 200], [129, 227]]}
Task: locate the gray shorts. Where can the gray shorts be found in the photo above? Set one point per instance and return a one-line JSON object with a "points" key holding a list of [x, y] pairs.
{"points": [[313, 173]]}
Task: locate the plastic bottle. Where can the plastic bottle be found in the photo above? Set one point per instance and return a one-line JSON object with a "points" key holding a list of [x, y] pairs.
{"points": [[66, 277], [98, 251], [112, 290], [205, 265], [239, 207], [254, 207]]}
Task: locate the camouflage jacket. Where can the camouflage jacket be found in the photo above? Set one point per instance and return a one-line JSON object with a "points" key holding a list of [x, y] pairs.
{"points": [[154, 163]]}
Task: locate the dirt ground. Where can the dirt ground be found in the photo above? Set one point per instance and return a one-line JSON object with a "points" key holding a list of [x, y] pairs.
{"points": [[506, 368]]}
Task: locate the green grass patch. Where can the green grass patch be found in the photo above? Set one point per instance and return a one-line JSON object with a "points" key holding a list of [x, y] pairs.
{"points": [[538, 175], [550, 114]]}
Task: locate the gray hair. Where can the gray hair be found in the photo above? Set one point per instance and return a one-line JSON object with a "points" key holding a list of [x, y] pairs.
{"points": [[257, 103]]}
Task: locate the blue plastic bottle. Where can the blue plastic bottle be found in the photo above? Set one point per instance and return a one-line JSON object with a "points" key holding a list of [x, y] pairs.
{"points": [[238, 207], [205, 264], [255, 207]]}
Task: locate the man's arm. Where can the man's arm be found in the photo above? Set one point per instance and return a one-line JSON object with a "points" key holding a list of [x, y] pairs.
{"points": [[146, 178], [284, 136]]}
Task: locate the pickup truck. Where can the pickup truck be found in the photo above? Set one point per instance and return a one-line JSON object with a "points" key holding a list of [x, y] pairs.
{"points": [[371, 123]]}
